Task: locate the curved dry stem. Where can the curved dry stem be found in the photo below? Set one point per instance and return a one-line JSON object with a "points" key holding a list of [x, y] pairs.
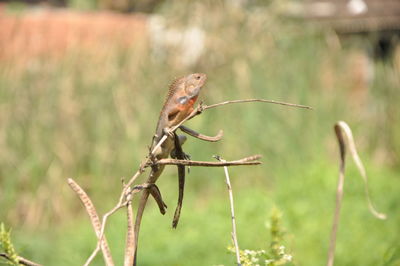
{"points": [[341, 127], [345, 136]]}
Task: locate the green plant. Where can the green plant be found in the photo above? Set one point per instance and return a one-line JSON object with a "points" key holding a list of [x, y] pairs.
{"points": [[6, 247], [276, 254]]}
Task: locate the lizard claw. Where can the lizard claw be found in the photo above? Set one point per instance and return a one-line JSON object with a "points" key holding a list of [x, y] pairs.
{"points": [[168, 132], [186, 156], [200, 108]]}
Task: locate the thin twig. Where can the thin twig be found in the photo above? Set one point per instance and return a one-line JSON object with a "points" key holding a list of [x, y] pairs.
{"points": [[234, 236], [244, 161], [21, 260], [343, 131], [94, 218], [257, 100]]}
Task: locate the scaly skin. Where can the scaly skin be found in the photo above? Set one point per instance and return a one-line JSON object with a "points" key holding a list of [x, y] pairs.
{"points": [[182, 95]]}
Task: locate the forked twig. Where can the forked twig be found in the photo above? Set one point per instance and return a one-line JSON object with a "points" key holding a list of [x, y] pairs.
{"points": [[94, 218], [345, 136], [234, 236]]}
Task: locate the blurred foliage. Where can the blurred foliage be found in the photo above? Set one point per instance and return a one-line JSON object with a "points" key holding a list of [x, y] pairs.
{"points": [[90, 115]]}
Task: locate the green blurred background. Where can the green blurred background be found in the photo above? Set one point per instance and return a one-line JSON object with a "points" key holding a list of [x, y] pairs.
{"points": [[80, 93]]}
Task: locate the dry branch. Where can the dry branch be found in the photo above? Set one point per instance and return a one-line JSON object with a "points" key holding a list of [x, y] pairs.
{"points": [[245, 161], [345, 140], [94, 218]]}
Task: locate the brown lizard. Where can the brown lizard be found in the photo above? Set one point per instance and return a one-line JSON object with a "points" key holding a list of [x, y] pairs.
{"points": [[179, 104]]}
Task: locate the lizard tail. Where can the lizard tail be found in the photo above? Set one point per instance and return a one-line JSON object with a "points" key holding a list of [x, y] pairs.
{"points": [[181, 174]]}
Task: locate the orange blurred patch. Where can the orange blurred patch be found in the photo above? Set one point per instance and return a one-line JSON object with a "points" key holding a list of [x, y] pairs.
{"points": [[53, 32]]}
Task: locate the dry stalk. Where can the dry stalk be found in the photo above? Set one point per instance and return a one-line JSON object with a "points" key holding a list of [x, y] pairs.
{"points": [[346, 140], [94, 218], [230, 191], [130, 235]]}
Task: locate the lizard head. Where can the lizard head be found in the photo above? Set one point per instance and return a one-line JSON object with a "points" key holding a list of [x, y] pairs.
{"points": [[193, 84]]}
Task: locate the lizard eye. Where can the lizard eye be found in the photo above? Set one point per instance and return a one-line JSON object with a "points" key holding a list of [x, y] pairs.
{"points": [[198, 77]]}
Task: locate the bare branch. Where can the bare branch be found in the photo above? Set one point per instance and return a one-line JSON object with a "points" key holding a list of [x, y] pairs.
{"points": [[195, 134], [21, 260], [230, 192], [245, 161], [94, 218], [257, 100], [343, 132]]}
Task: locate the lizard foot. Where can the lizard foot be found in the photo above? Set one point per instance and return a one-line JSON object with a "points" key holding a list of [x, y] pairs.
{"points": [[167, 131]]}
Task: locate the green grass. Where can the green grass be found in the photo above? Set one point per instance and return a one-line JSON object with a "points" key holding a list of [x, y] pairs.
{"points": [[90, 115]]}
